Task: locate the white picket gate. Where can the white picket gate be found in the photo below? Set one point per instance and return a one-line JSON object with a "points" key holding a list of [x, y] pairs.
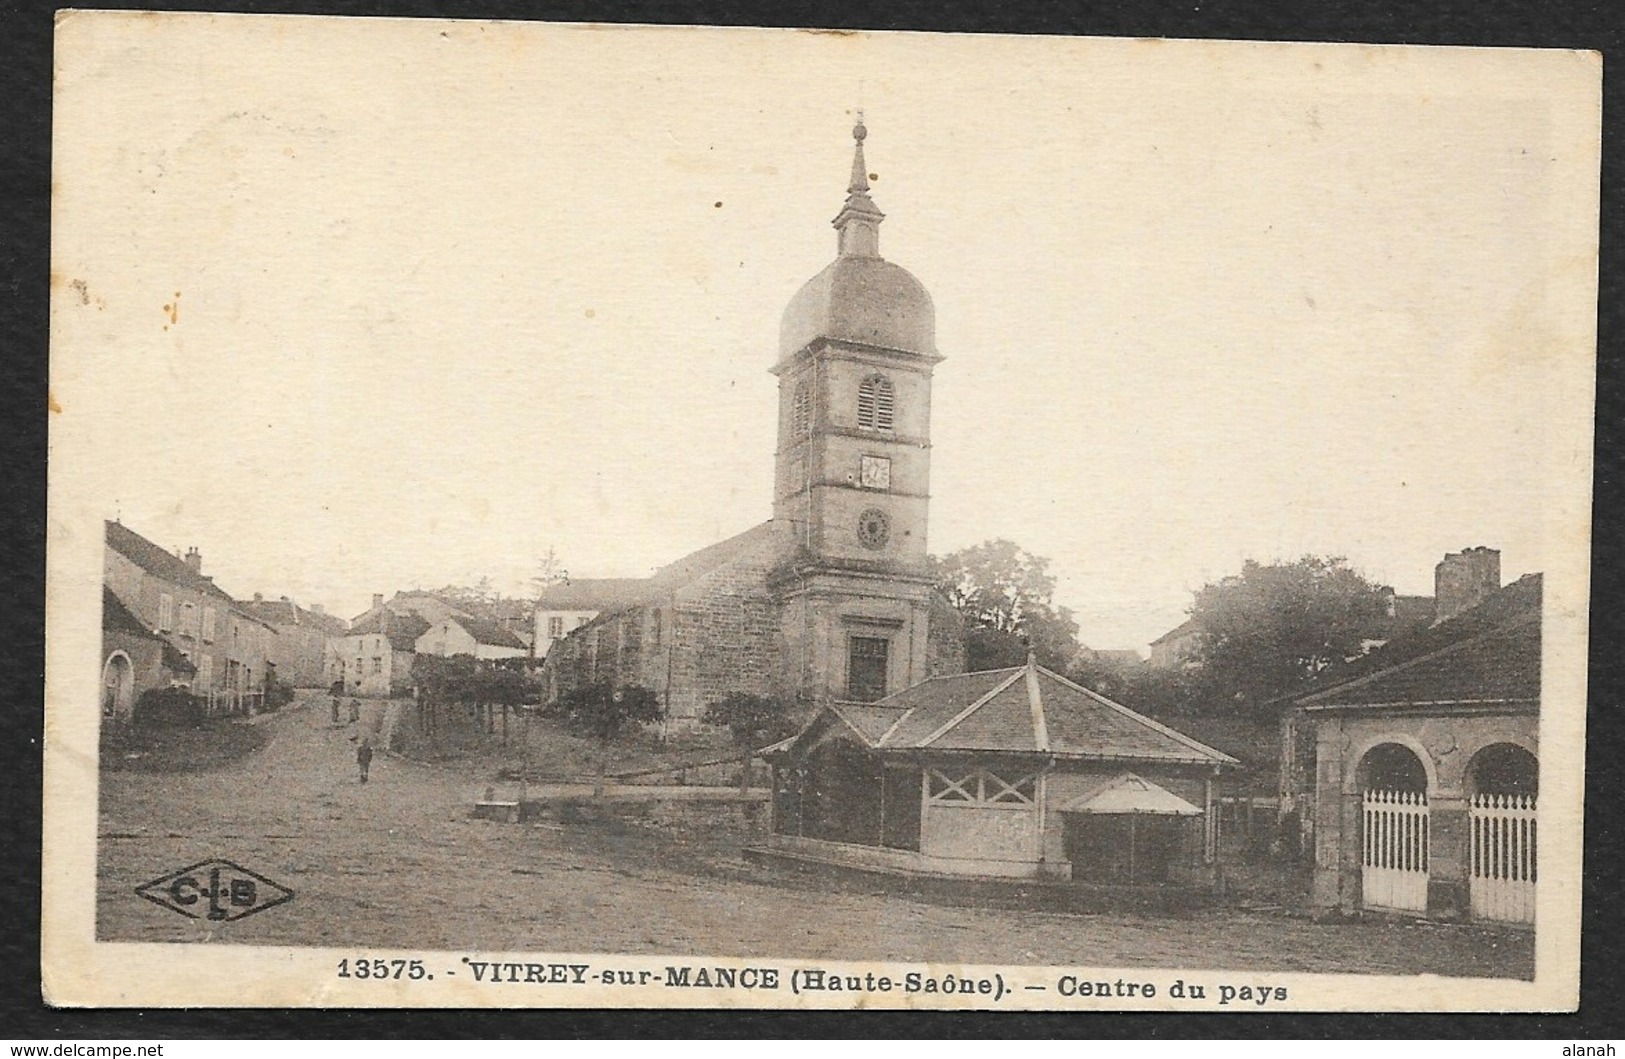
{"points": [[1502, 881], [1394, 850]]}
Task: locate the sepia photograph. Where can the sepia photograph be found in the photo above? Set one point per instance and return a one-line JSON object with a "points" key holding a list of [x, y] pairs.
{"points": [[622, 516]]}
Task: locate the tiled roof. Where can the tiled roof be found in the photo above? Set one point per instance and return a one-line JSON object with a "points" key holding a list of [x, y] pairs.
{"points": [[489, 632], [1028, 710], [1129, 794], [609, 594], [690, 568], [1184, 628], [287, 612], [116, 617], [402, 630], [159, 563], [1490, 653], [593, 593]]}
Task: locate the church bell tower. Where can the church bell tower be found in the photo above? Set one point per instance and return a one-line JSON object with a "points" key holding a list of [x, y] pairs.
{"points": [[857, 346]]}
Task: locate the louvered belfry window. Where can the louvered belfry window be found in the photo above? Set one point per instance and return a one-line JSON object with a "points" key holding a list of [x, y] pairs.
{"points": [[876, 403], [801, 411]]}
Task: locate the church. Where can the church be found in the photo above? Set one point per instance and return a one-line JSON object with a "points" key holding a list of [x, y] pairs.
{"points": [[830, 600]]}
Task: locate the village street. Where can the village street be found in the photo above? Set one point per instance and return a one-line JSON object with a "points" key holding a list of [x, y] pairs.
{"points": [[399, 863]]}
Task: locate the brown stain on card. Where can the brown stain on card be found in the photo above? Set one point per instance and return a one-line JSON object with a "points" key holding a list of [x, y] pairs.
{"points": [[51, 404], [173, 311]]}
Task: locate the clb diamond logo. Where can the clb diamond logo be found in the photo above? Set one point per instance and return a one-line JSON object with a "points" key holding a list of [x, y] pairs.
{"points": [[216, 890]]}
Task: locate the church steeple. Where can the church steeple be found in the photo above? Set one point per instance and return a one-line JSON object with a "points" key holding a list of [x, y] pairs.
{"points": [[859, 220]]}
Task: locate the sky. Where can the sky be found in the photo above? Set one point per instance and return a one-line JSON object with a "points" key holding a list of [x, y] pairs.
{"points": [[356, 306]]}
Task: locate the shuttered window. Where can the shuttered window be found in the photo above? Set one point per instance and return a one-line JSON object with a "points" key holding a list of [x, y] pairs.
{"points": [[876, 403], [208, 625], [166, 612], [801, 412]]}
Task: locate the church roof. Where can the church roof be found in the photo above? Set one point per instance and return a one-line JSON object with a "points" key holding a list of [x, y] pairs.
{"points": [[860, 297], [593, 593], [1027, 710], [867, 300]]}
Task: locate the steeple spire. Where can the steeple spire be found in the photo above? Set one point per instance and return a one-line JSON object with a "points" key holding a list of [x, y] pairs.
{"points": [[859, 220]]}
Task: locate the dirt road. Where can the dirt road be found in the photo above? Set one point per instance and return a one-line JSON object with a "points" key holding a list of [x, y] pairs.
{"points": [[398, 863]]}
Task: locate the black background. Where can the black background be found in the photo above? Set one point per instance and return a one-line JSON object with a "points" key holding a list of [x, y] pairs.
{"points": [[25, 77]]}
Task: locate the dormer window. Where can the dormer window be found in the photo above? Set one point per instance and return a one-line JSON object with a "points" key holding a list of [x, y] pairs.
{"points": [[875, 403], [801, 411]]}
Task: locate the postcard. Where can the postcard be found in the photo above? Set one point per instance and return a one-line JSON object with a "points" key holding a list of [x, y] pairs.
{"points": [[555, 515]]}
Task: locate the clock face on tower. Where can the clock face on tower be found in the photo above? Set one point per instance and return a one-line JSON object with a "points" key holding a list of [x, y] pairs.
{"points": [[874, 472], [874, 528]]}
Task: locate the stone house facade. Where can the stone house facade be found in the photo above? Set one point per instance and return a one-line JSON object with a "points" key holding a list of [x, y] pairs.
{"points": [[230, 650]]}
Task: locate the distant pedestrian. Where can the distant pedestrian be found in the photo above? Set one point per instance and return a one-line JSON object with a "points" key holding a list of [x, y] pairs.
{"points": [[363, 758], [355, 710], [335, 698]]}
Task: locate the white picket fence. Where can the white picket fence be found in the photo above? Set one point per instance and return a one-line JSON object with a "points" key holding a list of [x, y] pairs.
{"points": [[1394, 850], [1502, 879]]}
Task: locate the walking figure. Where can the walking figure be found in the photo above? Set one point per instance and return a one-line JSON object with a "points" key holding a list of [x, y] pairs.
{"points": [[334, 692], [363, 758], [355, 710]]}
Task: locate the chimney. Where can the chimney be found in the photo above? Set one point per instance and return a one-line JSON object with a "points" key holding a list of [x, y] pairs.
{"points": [[260, 599], [377, 600], [194, 559], [1464, 580]]}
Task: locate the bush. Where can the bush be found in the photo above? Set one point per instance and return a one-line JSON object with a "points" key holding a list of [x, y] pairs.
{"points": [[170, 708]]}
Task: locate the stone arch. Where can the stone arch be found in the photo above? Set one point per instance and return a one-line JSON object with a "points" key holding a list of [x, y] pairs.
{"points": [[118, 687], [1355, 779], [1502, 767]]}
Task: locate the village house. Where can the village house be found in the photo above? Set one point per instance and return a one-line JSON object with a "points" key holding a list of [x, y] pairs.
{"points": [[485, 640], [231, 651], [300, 648], [135, 660], [569, 604], [373, 657], [830, 599], [1014, 773], [1414, 772]]}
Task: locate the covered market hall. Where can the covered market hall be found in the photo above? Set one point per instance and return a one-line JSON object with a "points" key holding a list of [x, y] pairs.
{"points": [[1011, 773]]}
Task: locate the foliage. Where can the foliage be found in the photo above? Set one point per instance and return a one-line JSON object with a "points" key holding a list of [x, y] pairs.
{"points": [[754, 721], [549, 571], [462, 678], [170, 708], [1005, 595], [1266, 630], [602, 711]]}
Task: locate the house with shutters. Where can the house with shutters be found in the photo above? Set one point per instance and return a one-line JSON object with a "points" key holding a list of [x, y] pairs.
{"points": [[135, 659], [373, 658], [1013, 773], [231, 651]]}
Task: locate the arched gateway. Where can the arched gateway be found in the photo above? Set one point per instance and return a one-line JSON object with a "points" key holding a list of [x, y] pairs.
{"points": [[1503, 780], [1393, 829]]}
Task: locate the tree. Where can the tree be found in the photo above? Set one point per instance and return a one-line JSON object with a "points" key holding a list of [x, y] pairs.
{"points": [[1005, 594], [549, 571], [754, 721], [1268, 629], [602, 712]]}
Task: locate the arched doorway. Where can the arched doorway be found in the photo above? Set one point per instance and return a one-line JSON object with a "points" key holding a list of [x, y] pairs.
{"points": [[118, 688], [1393, 829], [1503, 780]]}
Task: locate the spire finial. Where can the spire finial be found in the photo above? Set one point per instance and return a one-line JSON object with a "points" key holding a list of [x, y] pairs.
{"points": [[859, 219], [860, 171]]}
